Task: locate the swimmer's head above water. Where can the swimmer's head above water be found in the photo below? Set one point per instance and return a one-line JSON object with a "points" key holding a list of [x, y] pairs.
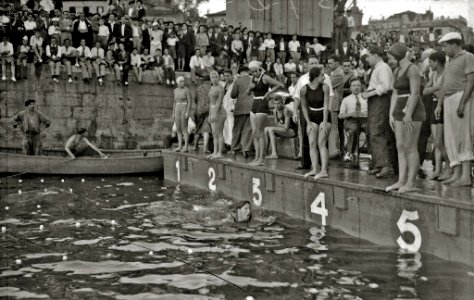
{"points": [[241, 212]]}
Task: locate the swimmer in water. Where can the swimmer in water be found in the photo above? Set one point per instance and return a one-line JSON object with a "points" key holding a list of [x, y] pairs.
{"points": [[79, 145], [182, 105], [217, 115]]}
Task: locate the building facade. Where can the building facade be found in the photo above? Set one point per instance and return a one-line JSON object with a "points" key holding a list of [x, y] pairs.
{"points": [[91, 6]]}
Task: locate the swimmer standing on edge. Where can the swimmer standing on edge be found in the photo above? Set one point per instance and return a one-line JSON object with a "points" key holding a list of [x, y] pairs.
{"points": [[182, 105]]}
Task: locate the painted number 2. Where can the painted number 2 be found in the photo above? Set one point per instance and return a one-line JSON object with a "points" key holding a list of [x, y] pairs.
{"points": [[319, 207], [405, 226], [256, 192], [212, 179], [178, 174]]}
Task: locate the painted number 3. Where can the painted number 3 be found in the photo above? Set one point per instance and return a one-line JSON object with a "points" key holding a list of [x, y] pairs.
{"points": [[212, 179], [256, 192], [405, 226]]}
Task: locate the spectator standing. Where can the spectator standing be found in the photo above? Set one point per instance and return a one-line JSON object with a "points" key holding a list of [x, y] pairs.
{"points": [[282, 49], [156, 35], [337, 131], [124, 33], [7, 58], [202, 39], [261, 49], [103, 35], [378, 95], [208, 61], [354, 113], [168, 67], [237, 48], [203, 127], [189, 41], [294, 47], [171, 42], [270, 47], [136, 35], [82, 30], [456, 100]]}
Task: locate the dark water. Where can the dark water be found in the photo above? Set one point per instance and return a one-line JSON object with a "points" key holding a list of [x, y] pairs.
{"points": [[92, 240]]}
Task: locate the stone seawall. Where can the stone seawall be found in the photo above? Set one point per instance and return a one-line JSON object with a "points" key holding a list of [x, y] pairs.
{"points": [[117, 117]]}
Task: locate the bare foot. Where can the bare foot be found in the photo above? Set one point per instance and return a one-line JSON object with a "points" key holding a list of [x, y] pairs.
{"points": [[434, 176], [321, 175], [407, 189], [394, 187], [451, 179], [310, 173], [272, 156], [185, 150], [177, 150], [217, 156], [260, 163], [211, 156], [462, 182], [446, 175]]}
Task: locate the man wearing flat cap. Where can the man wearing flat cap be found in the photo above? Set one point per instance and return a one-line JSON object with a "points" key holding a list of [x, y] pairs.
{"points": [[31, 123], [456, 99]]}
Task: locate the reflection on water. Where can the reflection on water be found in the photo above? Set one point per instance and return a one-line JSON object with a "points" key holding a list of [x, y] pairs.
{"points": [[137, 238]]}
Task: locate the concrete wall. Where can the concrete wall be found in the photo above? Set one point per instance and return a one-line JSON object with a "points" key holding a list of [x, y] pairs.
{"points": [[116, 117]]}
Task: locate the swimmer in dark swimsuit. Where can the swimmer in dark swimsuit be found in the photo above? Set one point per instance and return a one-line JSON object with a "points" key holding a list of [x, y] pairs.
{"points": [[284, 127], [314, 104], [260, 87], [79, 145]]}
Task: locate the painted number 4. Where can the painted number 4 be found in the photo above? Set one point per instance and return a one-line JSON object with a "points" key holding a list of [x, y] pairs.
{"points": [[405, 226], [319, 207], [256, 192]]}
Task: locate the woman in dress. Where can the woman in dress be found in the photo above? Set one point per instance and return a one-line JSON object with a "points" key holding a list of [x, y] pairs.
{"points": [[217, 115], [260, 86], [315, 108], [406, 115]]}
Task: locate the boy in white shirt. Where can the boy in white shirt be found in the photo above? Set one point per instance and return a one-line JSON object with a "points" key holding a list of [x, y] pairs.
{"points": [[6, 54], [270, 47], [168, 68], [98, 61], [53, 52], [136, 62], [84, 55], [295, 48], [104, 33]]}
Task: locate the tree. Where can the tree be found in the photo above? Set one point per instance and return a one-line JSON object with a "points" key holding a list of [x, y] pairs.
{"points": [[190, 7]]}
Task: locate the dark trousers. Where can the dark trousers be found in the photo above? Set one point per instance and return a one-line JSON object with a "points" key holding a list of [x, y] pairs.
{"points": [[241, 133], [352, 126], [305, 158], [340, 128], [125, 71], [425, 130], [382, 138], [32, 144]]}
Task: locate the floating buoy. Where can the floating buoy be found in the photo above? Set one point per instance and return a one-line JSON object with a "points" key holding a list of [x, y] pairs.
{"points": [[20, 181], [41, 227], [70, 190], [249, 298], [140, 189], [109, 255], [313, 291], [18, 261], [64, 257], [19, 192], [82, 180], [373, 285], [62, 180], [150, 253], [423, 278], [38, 206], [113, 222], [102, 179], [7, 208], [190, 251], [45, 190], [4, 229], [78, 224], [42, 180]]}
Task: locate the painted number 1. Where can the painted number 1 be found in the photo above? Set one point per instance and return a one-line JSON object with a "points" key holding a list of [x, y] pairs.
{"points": [[319, 207], [256, 192], [212, 179], [405, 226], [178, 174]]}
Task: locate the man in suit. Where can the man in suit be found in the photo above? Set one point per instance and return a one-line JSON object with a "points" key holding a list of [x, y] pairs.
{"points": [[82, 30], [344, 51], [189, 42], [242, 131], [124, 33], [112, 23]]}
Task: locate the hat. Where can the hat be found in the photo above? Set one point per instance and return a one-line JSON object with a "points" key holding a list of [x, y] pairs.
{"points": [[25, 37], [254, 64], [427, 53], [155, 24], [179, 79], [29, 101], [449, 37], [398, 51], [244, 69]]}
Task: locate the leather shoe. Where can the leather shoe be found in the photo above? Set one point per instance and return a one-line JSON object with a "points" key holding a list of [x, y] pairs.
{"points": [[373, 171], [385, 172]]}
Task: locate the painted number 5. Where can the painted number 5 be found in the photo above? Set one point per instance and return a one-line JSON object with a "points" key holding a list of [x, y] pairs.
{"points": [[178, 174], [319, 207], [212, 178], [405, 226], [256, 192]]}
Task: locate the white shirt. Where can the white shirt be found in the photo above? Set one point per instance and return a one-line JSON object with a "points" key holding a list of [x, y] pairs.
{"points": [[294, 45], [135, 60], [82, 26], [318, 48], [48, 51], [278, 69], [97, 53], [349, 103], [196, 62], [135, 32], [282, 46], [381, 79], [84, 51], [104, 31], [30, 25], [269, 43], [172, 41], [290, 67], [304, 80], [6, 48], [53, 30], [69, 51]]}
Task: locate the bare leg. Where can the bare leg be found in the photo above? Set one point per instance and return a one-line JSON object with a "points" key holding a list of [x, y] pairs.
{"points": [[324, 152], [253, 123], [413, 158], [402, 159], [313, 151], [216, 142], [457, 170], [437, 154], [220, 132], [261, 118], [206, 141], [465, 179]]}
